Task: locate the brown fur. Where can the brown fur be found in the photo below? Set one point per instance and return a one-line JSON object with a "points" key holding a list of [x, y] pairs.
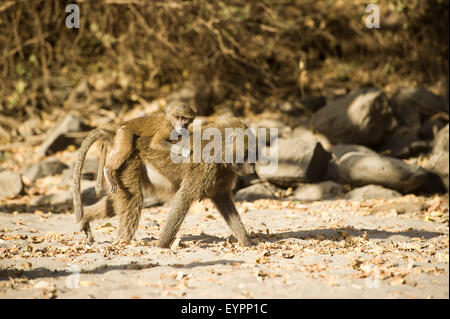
{"points": [[183, 183], [158, 127]]}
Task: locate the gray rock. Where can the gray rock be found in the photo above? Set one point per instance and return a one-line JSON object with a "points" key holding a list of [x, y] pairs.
{"points": [[298, 161], [44, 168], [407, 132], [283, 129], [60, 198], [406, 114], [88, 172], [340, 150], [430, 128], [372, 192], [438, 163], [88, 197], [254, 192], [362, 117], [309, 136], [440, 144], [360, 168], [408, 100], [320, 191], [246, 180], [432, 185], [90, 167], [403, 147], [10, 184], [312, 102], [57, 140]]}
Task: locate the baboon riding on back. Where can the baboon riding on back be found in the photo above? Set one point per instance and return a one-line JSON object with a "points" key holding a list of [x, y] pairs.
{"points": [[180, 183]]}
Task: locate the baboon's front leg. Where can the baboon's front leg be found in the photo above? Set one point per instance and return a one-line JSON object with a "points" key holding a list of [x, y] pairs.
{"points": [[179, 207], [227, 209]]}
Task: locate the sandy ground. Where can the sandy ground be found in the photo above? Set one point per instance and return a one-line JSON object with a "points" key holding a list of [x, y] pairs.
{"points": [[335, 249]]}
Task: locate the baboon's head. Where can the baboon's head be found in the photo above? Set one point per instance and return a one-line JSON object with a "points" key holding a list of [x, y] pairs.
{"points": [[180, 115]]}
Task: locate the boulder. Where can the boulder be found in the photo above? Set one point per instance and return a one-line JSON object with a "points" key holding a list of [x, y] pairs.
{"points": [[10, 184], [88, 197], [312, 103], [254, 192], [319, 191], [438, 163], [440, 144], [299, 161], [308, 136], [283, 129], [57, 139], [246, 180], [430, 128], [340, 150], [364, 167], [372, 192], [407, 101], [60, 198], [89, 171], [402, 147], [362, 117], [47, 167], [407, 115]]}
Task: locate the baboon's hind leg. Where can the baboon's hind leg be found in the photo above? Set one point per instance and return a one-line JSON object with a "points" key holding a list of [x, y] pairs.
{"points": [[130, 213], [227, 209], [101, 209], [128, 200]]}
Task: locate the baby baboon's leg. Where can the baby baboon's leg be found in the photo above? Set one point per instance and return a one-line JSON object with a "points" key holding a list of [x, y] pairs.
{"points": [[101, 209], [179, 207], [121, 150], [227, 209]]}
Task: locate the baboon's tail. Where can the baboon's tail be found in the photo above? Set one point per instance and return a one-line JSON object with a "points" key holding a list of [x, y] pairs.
{"points": [[98, 134], [101, 165]]}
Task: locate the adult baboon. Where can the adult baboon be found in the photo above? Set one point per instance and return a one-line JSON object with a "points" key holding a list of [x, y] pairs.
{"points": [[181, 183]]}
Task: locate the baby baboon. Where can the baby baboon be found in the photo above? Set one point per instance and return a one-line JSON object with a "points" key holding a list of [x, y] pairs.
{"points": [[183, 183], [177, 117]]}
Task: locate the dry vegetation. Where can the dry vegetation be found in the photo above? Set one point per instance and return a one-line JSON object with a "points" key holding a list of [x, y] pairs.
{"points": [[248, 54]]}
